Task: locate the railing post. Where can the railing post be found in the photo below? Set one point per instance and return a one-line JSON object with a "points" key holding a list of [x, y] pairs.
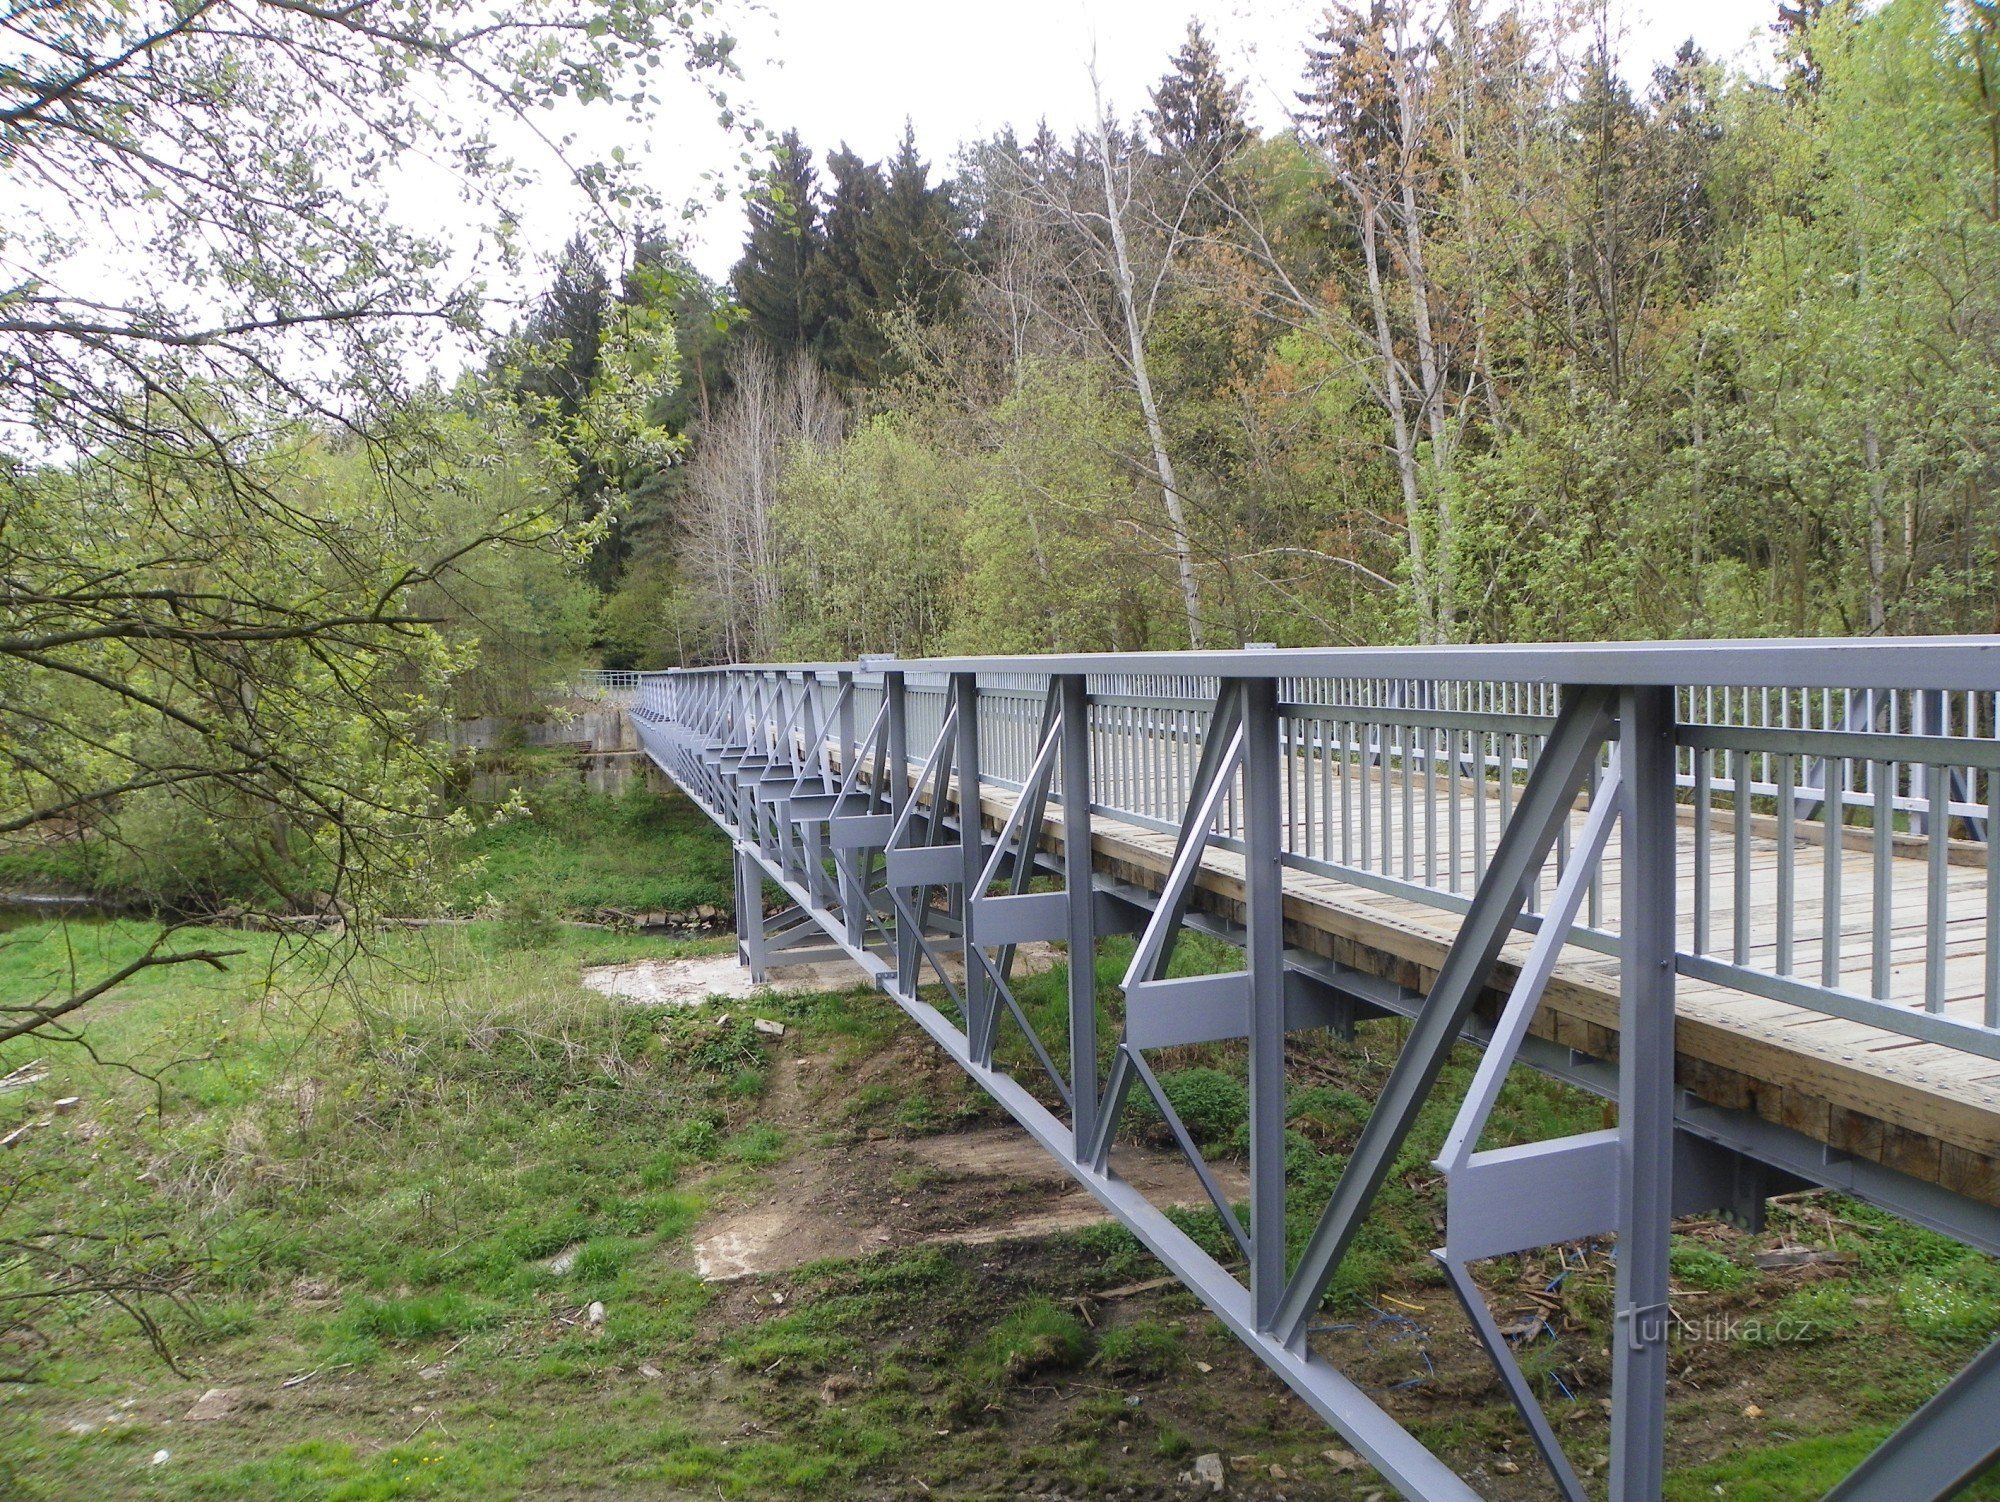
{"points": [[896, 771], [853, 891], [1082, 908], [1645, 1094], [979, 998], [750, 947], [1264, 956]]}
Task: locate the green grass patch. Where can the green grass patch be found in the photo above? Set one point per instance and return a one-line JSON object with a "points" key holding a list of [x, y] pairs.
{"points": [[575, 852]]}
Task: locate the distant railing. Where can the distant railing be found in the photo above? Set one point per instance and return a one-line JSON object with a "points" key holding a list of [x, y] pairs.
{"points": [[602, 683], [1857, 816]]}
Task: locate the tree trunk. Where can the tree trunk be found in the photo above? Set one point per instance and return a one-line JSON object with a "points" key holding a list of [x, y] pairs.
{"points": [[1401, 437], [1163, 464]]}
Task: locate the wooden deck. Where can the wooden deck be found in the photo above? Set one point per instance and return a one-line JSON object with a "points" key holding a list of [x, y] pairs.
{"points": [[1926, 1110]]}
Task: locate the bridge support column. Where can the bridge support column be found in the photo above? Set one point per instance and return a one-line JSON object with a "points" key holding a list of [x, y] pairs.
{"points": [[1645, 1096], [1080, 912], [751, 948]]}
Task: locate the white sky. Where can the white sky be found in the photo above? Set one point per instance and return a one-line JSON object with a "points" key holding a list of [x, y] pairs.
{"points": [[855, 71]]}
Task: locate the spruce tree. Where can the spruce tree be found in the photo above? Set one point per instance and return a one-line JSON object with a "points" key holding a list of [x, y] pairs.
{"points": [[910, 254], [1197, 114], [839, 297], [785, 241]]}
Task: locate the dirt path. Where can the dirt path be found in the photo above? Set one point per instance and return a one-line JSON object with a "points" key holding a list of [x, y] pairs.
{"points": [[973, 1188]]}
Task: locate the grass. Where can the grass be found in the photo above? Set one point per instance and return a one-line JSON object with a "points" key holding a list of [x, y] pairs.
{"points": [[408, 1176], [575, 853]]}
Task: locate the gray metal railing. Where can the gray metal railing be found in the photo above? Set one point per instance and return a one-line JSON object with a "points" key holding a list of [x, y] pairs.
{"points": [[1403, 785]]}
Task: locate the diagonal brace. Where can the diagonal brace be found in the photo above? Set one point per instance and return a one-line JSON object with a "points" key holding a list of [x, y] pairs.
{"points": [[1545, 803]]}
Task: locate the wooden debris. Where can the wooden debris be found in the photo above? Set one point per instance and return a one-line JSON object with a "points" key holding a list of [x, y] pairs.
{"points": [[1799, 1256], [30, 1073]]}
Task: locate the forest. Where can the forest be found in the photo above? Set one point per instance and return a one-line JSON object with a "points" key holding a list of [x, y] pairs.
{"points": [[1492, 344]]}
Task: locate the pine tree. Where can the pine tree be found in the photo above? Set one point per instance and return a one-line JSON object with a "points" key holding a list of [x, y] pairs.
{"points": [[566, 330], [785, 240]]}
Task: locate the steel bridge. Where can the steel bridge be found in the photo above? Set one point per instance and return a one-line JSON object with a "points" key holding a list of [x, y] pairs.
{"points": [[1741, 889]]}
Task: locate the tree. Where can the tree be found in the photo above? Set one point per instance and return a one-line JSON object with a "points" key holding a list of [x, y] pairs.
{"points": [[785, 240], [562, 354], [910, 256], [1197, 115], [212, 298], [846, 340], [775, 415]]}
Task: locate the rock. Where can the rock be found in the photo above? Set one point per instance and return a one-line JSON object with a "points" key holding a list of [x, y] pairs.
{"points": [[161, 1457], [432, 1373], [1208, 1473], [313, 1290], [769, 1028], [594, 1314], [1752, 1411], [1341, 1460], [216, 1403], [66, 1105], [724, 1020], [564, 1260], [19, 1135], [650, 1372]]}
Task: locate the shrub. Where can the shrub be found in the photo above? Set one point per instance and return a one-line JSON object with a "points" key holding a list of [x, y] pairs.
{"points": [[1210, 1104]]}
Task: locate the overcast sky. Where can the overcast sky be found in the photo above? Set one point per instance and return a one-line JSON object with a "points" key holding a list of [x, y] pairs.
{"points": [[855, 71]]}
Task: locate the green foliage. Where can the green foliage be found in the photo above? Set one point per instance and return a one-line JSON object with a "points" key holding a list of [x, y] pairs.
{"points": [[419, 1317], [1962, 1305], [1144, 1350], [870, 541], [574, 852], [1211, 1105], [1705, 1268], [1038, 1337]]}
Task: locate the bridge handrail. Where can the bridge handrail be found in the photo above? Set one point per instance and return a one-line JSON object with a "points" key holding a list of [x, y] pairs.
{"points": [[1780, 732]]}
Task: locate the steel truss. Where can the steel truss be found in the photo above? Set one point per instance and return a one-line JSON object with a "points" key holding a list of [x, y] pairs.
{"points": [[879, 860]]}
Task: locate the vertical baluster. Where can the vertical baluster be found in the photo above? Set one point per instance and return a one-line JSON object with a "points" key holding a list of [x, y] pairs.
{"points": [[1478, 740], [1289, 749], [1787, 861], [1993, 892], [1364, 782], [1935, 915], [1405, 733], [1305, 729], [1455, 837], [1741, 948], [1883, 778], [1430, 734], [1323, 773], [1385, 793], [1833, 858], [1704, 834]]}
